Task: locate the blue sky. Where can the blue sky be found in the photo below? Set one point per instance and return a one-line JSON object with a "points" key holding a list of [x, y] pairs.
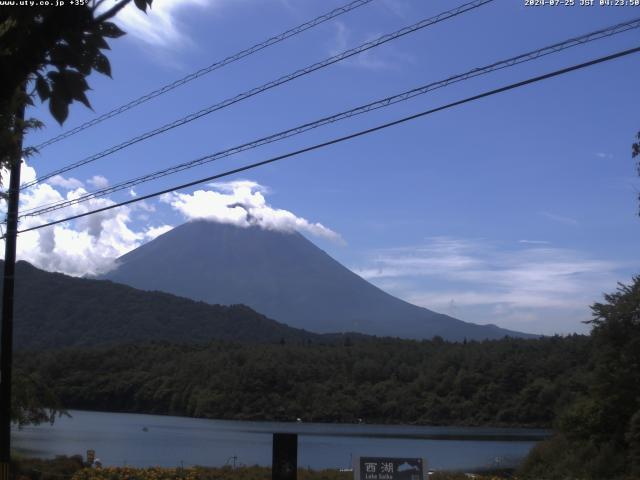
{"points": [[519, 209]]}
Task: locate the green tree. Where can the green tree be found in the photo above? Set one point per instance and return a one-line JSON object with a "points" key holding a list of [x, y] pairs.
{"points": [[633, 439], [50, 50], [599, 434], [34, 401], [635, 151]]}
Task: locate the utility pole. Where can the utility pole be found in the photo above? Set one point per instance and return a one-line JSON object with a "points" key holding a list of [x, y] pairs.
{"points": [[6, 335]]}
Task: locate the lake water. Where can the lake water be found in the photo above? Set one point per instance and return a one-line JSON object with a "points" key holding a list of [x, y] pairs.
{"points": [[146, 440]]}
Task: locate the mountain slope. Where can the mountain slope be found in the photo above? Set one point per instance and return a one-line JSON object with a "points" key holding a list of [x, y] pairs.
{"points": [[284, 276], [53, 310]]}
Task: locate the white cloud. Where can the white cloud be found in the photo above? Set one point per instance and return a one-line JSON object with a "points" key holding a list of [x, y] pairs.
{"points": [[154, 232], [560, 218], [439, 256], [160, 26], [400, 8], [384, 57], [98, 181], [91, 244], [242, 203], [66, 183], [144, 206], [230, 187], [532, 287], [88, 245], [535, 242]]}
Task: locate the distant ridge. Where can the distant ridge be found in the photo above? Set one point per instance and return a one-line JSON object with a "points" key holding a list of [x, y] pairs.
{"points": [[53, 310], [284, 276]]}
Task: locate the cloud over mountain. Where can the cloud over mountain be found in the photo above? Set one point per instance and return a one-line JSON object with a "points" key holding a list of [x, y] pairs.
{"points": [[91, 244], [243, 204]]}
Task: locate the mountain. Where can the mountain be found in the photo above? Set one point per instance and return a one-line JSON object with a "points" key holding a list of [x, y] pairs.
{"points": [[284, 276], [53, 310]]}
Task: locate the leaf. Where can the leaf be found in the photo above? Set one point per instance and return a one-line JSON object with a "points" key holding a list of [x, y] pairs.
{"points": [[81, 97], [97, 41], [60, 55], [110, 30], [59, 109], [67, 86], [101, 64], [33, 124], [59, 88], [84, 62], [141, 4], [76, 85], [42, 87], [29, 152]]}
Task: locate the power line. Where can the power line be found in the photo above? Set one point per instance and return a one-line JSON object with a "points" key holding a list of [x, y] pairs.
{"points": [[344, 138], [267, 86], [522, 58], [204, 71]]}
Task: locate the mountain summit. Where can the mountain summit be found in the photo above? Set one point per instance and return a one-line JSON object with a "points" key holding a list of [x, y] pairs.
{"points": [[284, 276]]}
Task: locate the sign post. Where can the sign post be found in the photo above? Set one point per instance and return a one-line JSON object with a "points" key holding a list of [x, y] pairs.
{"points": [[387, 468], [284, 465]]}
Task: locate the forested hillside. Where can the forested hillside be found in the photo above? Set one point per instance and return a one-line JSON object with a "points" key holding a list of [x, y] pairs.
{"points": [[506, 382], [54, 311]]}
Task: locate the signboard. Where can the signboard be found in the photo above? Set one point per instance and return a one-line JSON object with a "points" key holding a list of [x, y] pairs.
{"points": [[383, 468]]}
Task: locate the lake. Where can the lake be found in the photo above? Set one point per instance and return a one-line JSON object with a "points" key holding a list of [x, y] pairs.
{"points": [[146, 440]]}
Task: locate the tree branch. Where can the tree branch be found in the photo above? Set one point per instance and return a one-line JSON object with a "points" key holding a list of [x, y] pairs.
{"points": [[112, 11]]}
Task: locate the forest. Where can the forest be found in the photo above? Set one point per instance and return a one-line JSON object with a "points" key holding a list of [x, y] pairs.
{"points": [[71, 311], [587, 388], [507, 382], [598, 434]]}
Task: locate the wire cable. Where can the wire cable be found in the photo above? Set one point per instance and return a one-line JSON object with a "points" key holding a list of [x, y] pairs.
{"points": [[351, 136], [267, 86], [206, 70], [522, 58]]}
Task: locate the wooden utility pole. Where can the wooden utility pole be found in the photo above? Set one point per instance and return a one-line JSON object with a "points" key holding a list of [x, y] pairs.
{"points": [[6, 335]]}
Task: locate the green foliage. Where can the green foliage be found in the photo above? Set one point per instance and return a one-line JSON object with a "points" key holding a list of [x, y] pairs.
{"points": [[33, 400], [506, 382], [91, 312], [466, 476], [599, 433], [73, 468], [41, 469], [635, 151], [633, 440], [51, 50], [200, 473], [57, 48]]}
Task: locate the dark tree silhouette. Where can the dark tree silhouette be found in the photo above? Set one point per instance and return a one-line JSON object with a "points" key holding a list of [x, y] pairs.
{"points": [[635, 151], [50, 50]]}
